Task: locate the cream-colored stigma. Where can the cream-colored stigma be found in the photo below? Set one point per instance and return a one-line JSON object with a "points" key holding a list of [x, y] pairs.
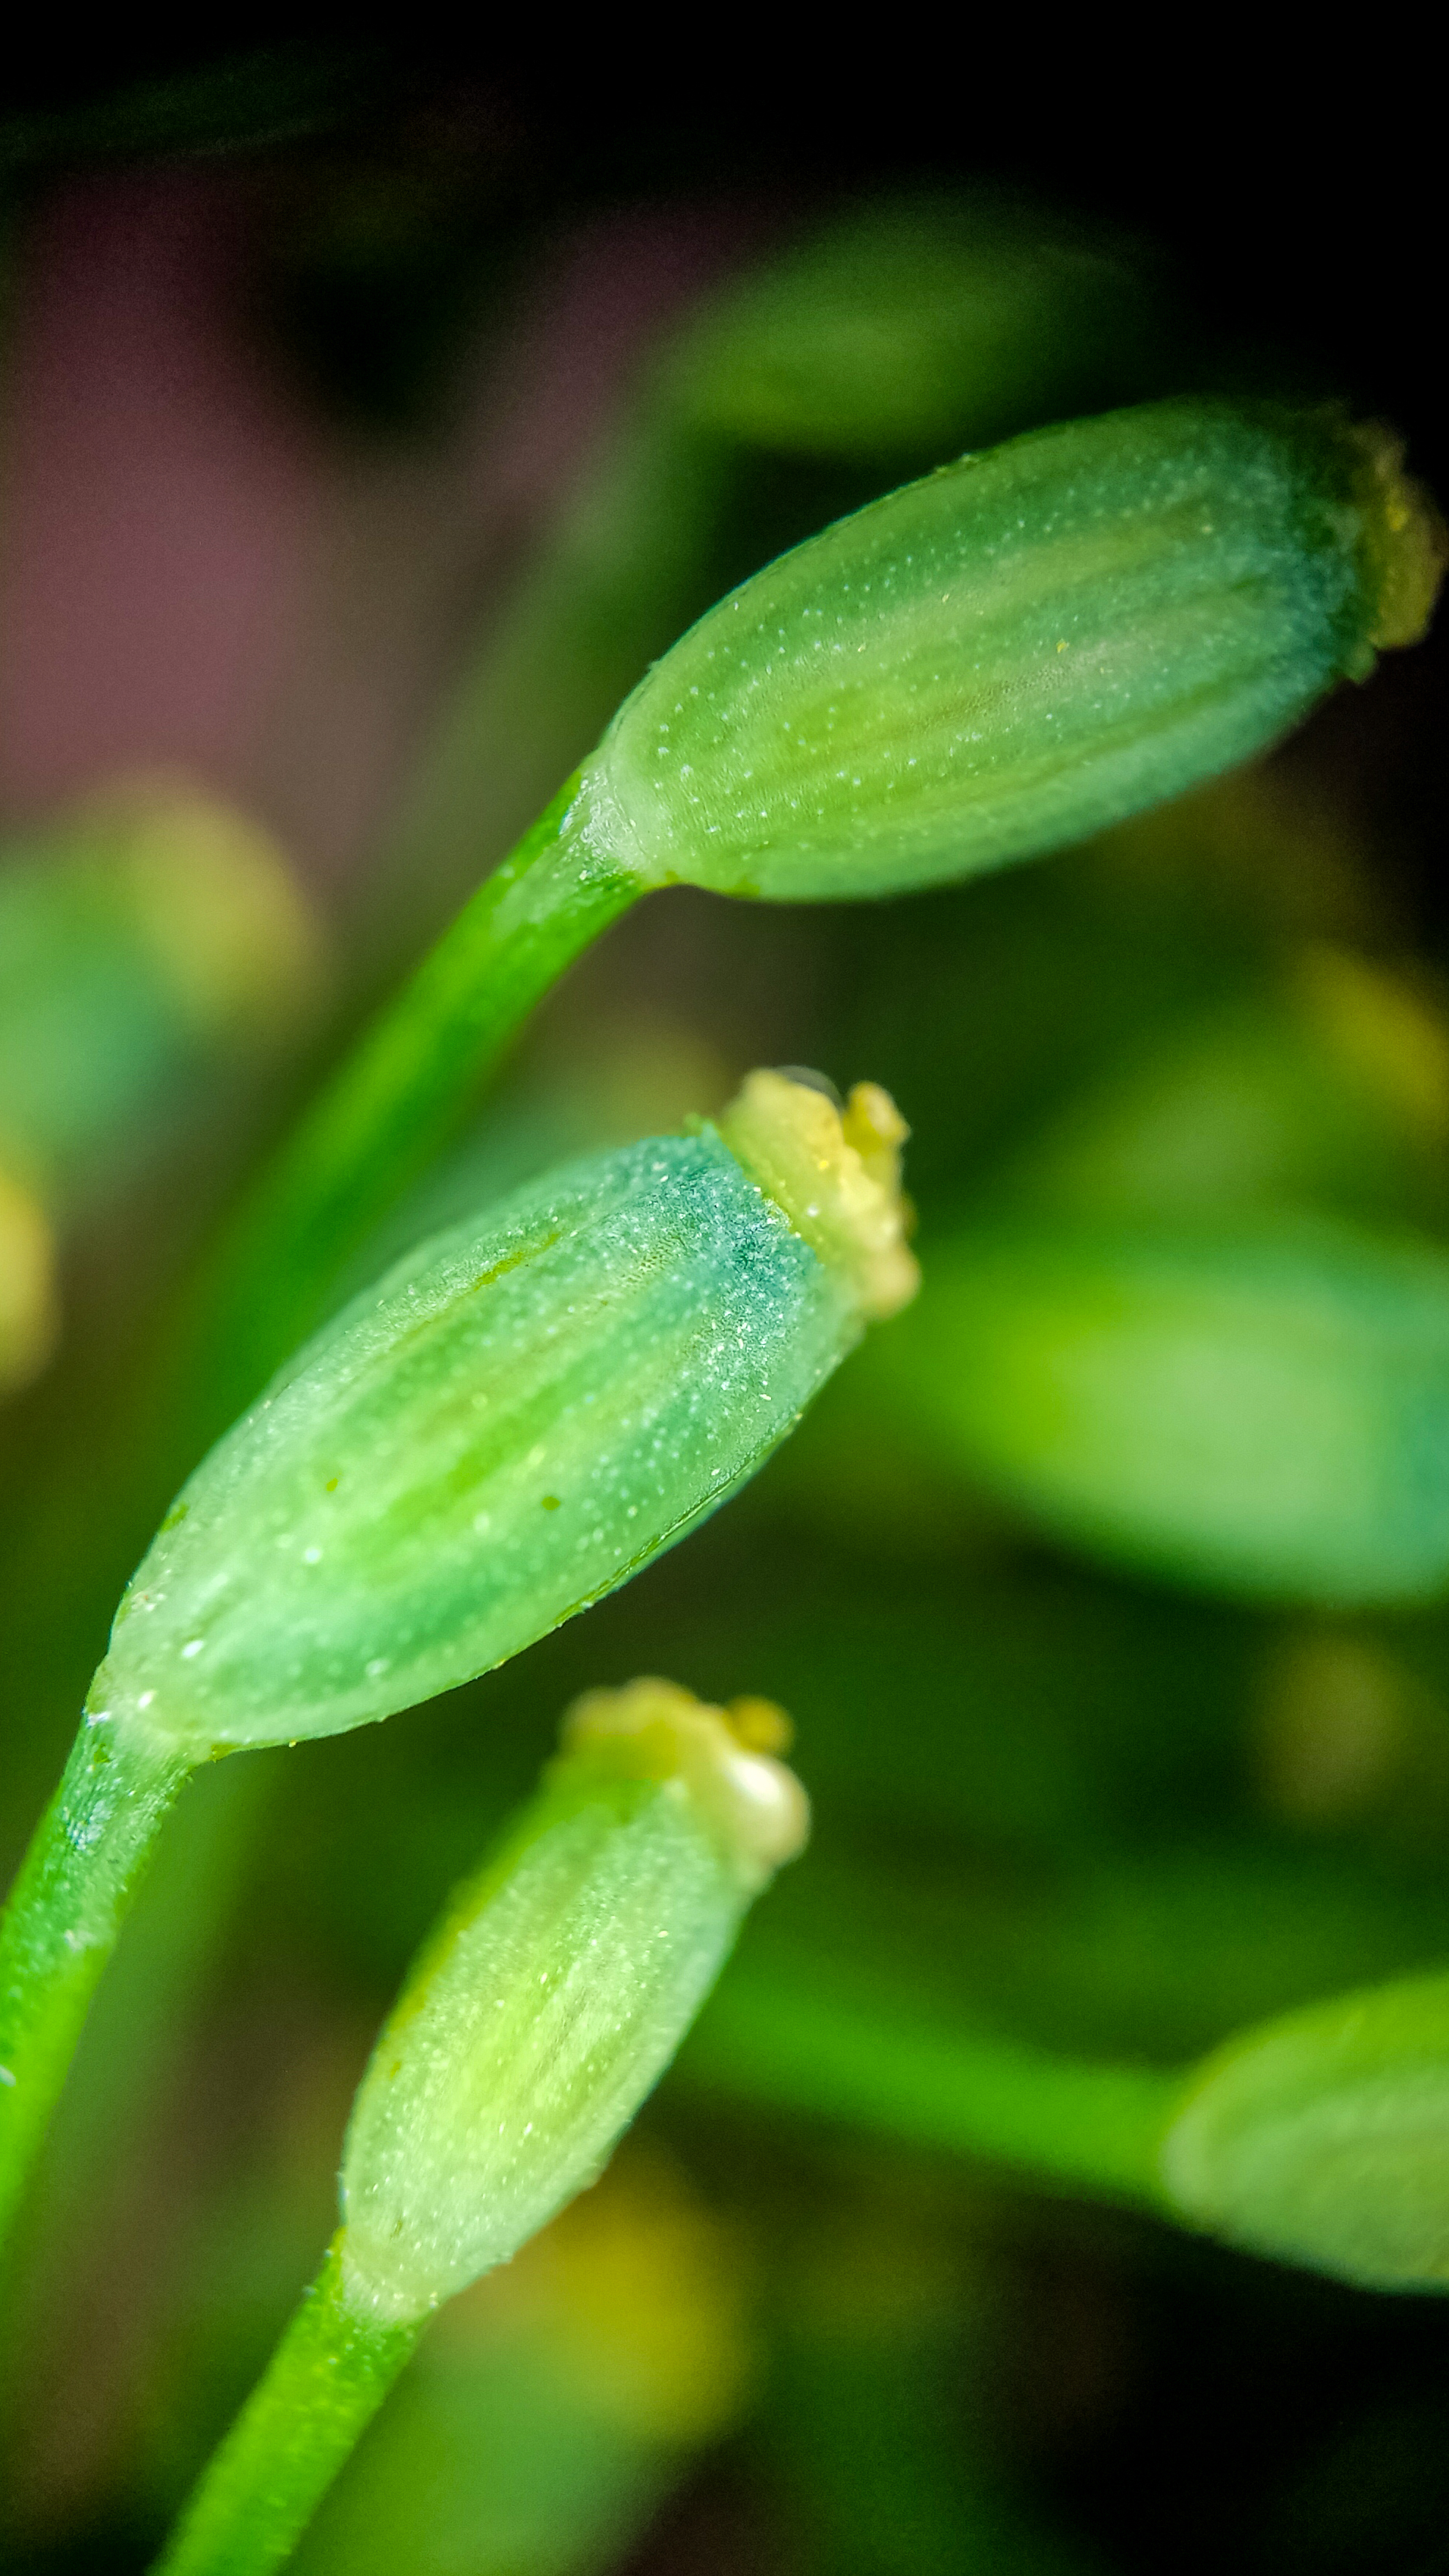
{"points": [[723, 1758], [836, 1174], [1407, 542]]}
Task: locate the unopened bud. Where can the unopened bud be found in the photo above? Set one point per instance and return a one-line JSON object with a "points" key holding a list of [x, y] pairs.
{"points": [[558, 1989], [1262, 1406], [1019, 649], [1320, 2138], [517, 1418]]}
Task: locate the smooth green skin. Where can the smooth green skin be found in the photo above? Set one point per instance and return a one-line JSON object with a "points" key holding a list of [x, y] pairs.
{"points": [[1004, 657], [525, 1411], [1323, 2138], [1262, 1408], [532, 2028], [61, 1922], [321, 2389]]}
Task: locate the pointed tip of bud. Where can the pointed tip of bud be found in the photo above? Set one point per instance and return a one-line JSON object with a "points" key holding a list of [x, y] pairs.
{"points": [[837, 1176], [724, 1758], [1406, 541]]}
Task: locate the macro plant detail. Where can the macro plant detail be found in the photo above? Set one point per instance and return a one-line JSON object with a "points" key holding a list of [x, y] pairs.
{"points": [[520, 1415], [472, 1327], [605, 1916]]}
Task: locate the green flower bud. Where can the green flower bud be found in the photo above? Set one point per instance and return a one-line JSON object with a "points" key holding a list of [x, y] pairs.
{"points": [[1263, 1408], [1015, 651], [518, 1417], [1321, 2138], [915, 323], [556, 1993]]}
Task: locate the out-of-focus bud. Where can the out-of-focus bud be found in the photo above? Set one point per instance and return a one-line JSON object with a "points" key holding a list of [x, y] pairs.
{"points": [[1320, 2138], [1016, 651], [916, 324], [1330, 1088], [152, 933], [518, 1417], [1262, 1408], [556, 1993], [27, 1298]]}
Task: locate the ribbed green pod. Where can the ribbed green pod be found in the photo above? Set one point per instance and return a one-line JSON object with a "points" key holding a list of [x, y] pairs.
{"points": [[521, 1414], [1323, 2138], [1015, 651], [554, 1995], [1262, 1407], [533, 2026]]}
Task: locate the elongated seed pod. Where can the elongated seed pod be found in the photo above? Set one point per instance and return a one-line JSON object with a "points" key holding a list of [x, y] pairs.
{"points": [[1321, 2138], [524, 1412], [1015, 651], [553, 1997], [1262, 1408]]}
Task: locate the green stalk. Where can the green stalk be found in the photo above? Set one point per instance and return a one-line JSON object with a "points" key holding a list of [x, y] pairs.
{"points": [[395, 1099], [321, 2389], [1070, 2124], [60, 1926]]}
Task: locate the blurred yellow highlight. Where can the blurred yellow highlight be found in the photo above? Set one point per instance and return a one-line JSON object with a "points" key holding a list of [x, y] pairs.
{"points": [[222, 911], [1381, 1031], [27, 1286], [636, 2295]]}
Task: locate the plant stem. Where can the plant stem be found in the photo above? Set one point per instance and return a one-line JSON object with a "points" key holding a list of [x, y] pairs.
{"points": [[1069, 2123], [321, 2388], [393, 1102], [60, 1926]]}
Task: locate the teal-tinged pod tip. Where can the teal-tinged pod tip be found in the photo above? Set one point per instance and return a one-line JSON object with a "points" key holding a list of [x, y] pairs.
{"points": [[1029, 644], [837, 1175], [1320, 2138], [556, 1991]]}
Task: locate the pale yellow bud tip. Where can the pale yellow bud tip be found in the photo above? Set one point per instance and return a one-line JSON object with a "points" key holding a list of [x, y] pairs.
{"points": [[723, 1761], [837, 1176], [1407, 540]]}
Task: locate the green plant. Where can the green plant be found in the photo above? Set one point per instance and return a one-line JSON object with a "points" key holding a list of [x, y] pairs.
{"points": [[1228, 1371]]}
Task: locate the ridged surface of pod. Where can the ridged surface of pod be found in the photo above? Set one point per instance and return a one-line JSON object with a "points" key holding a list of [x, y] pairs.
{"points": [[521, 1414], [549, 2003], [1015, 651]]}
